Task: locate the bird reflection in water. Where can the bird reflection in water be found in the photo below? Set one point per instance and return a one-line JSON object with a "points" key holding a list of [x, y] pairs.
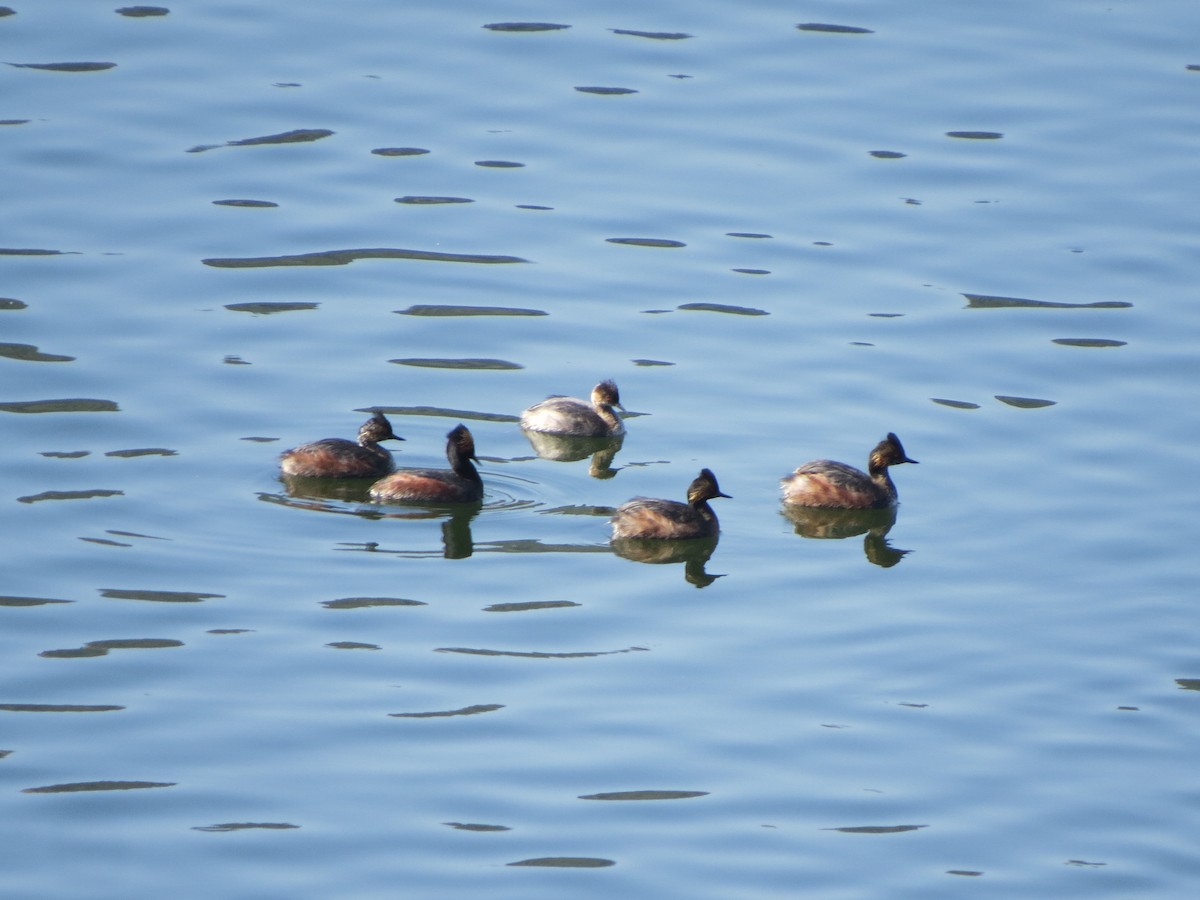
{"points": [[339, 496], [571, 448], [347, 490], [694, 554], [838, 524], [457, 540]]}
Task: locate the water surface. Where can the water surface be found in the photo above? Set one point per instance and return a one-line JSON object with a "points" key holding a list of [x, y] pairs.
{"points": [[784, 233]]}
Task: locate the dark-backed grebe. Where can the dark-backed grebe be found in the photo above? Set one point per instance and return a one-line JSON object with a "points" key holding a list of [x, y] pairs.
{"points": [[340, 458], [570, 415], [836, 485], [458, 484], [670, 519]]}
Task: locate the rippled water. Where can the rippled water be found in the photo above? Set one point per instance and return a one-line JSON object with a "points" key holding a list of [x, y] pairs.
{"points": [[232, 228]]}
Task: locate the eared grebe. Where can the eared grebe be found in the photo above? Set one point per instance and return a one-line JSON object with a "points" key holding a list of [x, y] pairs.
{"points": [[569, 415], [339, 458], [670, 519], [835, 485], [458, 484]]}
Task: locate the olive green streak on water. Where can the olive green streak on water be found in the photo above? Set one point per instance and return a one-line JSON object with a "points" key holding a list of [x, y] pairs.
{"points": [[726, 308], [833, 29], [435, 310], [440, 714], [369, 602], [652, 35], [956, 404], [142, 451], [426, 363], [59, 406], [67, 66], [530, 605], [644, 795], [30, 353], [525, 26], [420, 200], [566, 862], [29, 601], [445, 413], [102, 648], [247, 204], [158, 596], [70, 495], [1089, 342], [1025, 402], [399, 151], [531, 654], [267, 307], [986, 301], [296, 136], [78, 786], [345, 257], [58, 707]]}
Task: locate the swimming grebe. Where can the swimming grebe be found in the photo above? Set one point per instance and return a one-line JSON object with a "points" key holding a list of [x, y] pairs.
{"points": [[670, 519], [835, 485], [569, 415], [340, 458], [458, 484]]}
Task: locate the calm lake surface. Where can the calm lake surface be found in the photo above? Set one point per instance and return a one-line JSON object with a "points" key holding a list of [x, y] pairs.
{"points": [[784, 231]]}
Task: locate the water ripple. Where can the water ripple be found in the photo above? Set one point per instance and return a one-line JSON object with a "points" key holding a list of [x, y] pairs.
{"points": [[525, 26], [30, 353], [296, 136], [833, 29], [142, 12], [77, 786], [986, 301], [59, 406], [158, 596], [652, 35], [440, 714], [431, 363], [400, 151], [645, 242], [537, 654], [59, 707], [70, 495], [445, 310], [644, 795], [67, 66], [29, 601], [345, 257]]}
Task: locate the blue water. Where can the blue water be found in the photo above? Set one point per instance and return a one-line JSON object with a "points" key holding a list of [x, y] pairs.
{"points": [[218, 684]]}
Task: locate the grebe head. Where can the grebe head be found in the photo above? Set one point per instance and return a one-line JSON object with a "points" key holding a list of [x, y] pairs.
{"points": [[704, 488], [606, 394], [888, 452], [376, 429], [460, 445]]}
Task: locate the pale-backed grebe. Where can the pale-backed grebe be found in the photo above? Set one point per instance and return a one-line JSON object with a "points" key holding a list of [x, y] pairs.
{"points": [[670, 519], [458, 484], [570, 415], [340, 458], [829, 484]]}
